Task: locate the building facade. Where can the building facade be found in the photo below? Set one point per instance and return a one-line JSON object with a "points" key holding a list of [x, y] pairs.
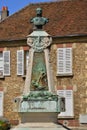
{"points": [[68, 57]]}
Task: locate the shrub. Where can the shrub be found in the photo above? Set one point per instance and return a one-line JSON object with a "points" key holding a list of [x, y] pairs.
{"points": [[4, 124]]}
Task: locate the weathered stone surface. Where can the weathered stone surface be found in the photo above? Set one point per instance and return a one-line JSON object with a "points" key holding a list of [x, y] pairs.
{"points": [[13, 85]]}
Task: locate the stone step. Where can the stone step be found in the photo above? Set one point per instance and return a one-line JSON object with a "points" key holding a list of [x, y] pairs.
{"points": [[38, 126]]}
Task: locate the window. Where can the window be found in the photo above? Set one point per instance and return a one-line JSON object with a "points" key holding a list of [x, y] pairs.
{"points": [[69, 107], [5, 63], [22, 61], [26, 57], [64, 61], [1, 103], [1, 64]]}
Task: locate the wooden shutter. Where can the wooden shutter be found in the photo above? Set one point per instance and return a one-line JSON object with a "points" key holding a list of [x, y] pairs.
{"points": [[68, 60], [64, 61], [27, 59], [1, 63], [20, 62], [6, 61], [1, 103], [69, 106], [60, 60]]}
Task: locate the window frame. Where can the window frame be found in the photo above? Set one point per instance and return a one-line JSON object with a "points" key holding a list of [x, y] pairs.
{"points": [[6, 63], [64, 61], [22, 64]]}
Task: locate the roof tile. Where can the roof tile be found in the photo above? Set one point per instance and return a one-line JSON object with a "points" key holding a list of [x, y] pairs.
{"points": [[65, 18]]}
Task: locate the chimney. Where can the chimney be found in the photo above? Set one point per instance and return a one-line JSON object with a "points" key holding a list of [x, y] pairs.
{"points": [[4, 12]]}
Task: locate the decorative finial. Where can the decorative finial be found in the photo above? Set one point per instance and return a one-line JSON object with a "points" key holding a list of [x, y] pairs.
{"points": [[39, 21]]}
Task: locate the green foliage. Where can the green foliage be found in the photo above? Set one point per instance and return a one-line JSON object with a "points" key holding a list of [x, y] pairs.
{"points": [[4, 124]]}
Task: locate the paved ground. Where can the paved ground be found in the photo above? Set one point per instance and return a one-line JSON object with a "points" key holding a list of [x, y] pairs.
{"points": [[79, 128], [38, 129], [38, 126], [45, 126], [83, 128], [49, 128]]}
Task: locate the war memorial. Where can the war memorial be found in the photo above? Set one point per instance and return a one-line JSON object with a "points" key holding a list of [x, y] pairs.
{"points": [[39, 105]]}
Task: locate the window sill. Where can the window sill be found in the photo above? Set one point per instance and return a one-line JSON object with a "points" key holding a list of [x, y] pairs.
{"points": [[23, 76], [2, 77], [64, 75], [67, 117]]}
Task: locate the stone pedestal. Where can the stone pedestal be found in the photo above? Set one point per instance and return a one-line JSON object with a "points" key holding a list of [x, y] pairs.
{"points": [[34, 117]]}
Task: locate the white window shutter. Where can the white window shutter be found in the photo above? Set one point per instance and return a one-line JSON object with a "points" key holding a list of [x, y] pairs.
{"points": [[27, 59], [1, 64], [64, 61], [68, 62], [69, 107], [20, 62], [6, 61], [60, 60]]}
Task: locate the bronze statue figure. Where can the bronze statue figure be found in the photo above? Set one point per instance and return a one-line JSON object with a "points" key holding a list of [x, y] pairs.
{"points": [[39, 21]]}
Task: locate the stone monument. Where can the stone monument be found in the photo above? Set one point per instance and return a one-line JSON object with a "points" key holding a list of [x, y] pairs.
{"points": [[39, 102]]}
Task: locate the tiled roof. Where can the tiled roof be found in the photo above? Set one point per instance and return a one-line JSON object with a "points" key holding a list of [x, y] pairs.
{"points": [[65, 18]]}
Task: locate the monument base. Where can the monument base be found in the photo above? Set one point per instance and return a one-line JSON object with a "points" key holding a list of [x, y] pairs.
{"points": [[39, 111], [38, 117], [38, 121]]}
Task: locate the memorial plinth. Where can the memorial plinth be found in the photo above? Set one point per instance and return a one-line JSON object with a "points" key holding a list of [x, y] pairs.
{"points": [[39, 109]]}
